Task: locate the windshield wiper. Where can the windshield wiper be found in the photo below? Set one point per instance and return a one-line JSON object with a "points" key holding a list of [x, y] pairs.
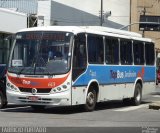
{"points": [[45, 65], [20, 71], [35, 63], [24, 68]]}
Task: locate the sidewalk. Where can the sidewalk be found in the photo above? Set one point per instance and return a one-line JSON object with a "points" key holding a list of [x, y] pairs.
{"points": [[156, 105]]}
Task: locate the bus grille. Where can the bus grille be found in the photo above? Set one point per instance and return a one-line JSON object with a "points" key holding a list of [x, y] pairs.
{"points": [[39, 90]]}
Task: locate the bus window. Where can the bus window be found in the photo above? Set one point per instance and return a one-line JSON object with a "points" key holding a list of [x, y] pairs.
{"points": [[126, 52], [149, 53], [138, 49], [112, 51], [79, 55], [95, 49]]}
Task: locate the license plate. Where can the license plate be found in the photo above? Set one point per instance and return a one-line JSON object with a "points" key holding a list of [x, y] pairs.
{"points": [[33, 98]]}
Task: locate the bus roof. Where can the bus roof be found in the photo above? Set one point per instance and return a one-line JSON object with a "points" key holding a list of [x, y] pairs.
{"points": [[91, 29]]}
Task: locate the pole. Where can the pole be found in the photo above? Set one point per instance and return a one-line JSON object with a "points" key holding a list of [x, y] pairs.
{"points": [[101, 13], [28, 20]]}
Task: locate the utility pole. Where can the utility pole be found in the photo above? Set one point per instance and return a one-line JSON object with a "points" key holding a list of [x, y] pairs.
{"points": [[101, 20], [144, 13], [103, 15], [28, 19]]}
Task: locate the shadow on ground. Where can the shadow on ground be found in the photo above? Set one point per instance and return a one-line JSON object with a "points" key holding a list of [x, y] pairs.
{"points": [[67, 109]]}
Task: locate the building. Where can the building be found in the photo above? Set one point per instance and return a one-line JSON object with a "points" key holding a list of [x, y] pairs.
{"points": [[13, 15], [146, 8], [24, 6], [28, 7], [86, 12], [71, 12], [10, 23]]}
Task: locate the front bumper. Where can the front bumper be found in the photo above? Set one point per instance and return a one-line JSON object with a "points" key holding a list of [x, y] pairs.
{"points": [[58, 99]]}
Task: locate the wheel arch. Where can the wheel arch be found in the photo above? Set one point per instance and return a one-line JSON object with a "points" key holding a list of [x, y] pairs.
{"points": [[140, 81], [137, 96], [95, 84]]}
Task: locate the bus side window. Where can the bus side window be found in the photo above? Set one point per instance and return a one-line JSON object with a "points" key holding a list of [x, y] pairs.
{"points": [[149, 53], [126, 52], [95, 49], [111, 51], [138, 49], [79, 55]]}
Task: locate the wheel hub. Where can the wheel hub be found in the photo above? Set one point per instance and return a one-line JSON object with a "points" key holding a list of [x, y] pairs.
{"points": [[90, 98], [138, 97]]}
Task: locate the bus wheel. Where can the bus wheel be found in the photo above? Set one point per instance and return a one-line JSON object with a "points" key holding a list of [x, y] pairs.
{"points": [[2, 100], [90, 100], [136, 100], [38, 107]]}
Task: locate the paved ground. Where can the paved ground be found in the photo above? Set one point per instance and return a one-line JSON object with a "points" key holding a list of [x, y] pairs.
{"points": [[156, 104], [110, 116]]}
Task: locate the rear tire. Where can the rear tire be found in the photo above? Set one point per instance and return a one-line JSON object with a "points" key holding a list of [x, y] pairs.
{"points": [[136, 100], [91, 100]]}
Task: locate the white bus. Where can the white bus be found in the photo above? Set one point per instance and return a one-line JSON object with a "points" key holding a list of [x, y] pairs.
{"points": [[68, 65]]}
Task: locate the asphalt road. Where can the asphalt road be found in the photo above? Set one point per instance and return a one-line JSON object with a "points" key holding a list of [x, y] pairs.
{"points": [[111, 116]]}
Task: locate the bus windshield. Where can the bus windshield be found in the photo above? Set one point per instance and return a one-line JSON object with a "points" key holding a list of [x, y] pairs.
{"points": [[41, 52]]}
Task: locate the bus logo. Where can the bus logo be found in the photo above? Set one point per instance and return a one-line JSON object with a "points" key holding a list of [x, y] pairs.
{"points": [[34, 91], [26, 82]]}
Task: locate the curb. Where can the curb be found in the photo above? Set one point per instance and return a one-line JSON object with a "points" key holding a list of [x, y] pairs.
{"points": [[155, 106]]}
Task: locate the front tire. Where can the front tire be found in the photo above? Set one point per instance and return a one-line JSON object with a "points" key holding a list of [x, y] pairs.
{"points": [[136, 100], [91, 100]]}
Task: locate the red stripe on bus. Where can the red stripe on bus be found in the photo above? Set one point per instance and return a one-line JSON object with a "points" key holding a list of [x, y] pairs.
{"points": [[37, 82]]}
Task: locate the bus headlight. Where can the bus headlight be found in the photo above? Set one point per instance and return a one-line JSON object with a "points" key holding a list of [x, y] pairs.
{"points": [[8, 84], [12, 87], [59, 89], [64, 86]]}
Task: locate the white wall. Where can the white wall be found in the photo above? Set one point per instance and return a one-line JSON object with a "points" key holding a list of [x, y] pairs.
{"points": [[44, 9], [11, 21], [83, 12], [120, 8]]}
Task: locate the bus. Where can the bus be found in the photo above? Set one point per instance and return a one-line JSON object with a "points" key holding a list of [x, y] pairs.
{"points": [[74, 65]]}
